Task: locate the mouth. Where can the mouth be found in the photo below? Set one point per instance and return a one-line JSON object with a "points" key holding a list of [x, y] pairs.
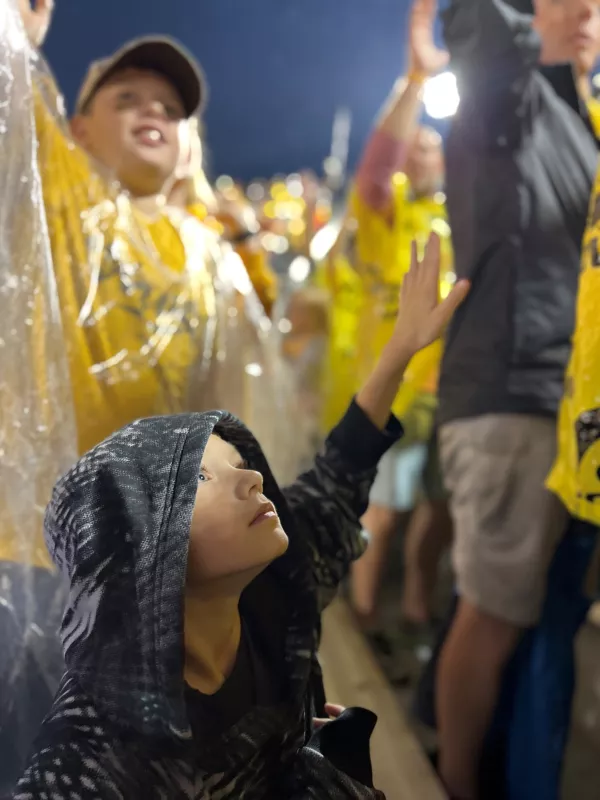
{"points": [[149, 135], [582, 39], [265, 512]]}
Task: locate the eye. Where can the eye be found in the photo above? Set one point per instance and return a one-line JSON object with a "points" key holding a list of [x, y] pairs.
{"points": [[204, 476], [174, 112], [126, 98]]}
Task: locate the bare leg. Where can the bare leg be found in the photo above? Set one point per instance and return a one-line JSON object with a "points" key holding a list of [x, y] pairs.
{"points": [[382, 525], [429, 533], [468, 685]]}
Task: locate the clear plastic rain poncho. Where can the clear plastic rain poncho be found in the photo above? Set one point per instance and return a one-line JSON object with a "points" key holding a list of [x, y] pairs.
{"points": [[106, 315], [37, 425]]}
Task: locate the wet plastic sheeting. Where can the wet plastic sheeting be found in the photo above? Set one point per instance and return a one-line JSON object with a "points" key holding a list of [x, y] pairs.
{"points": [[105, 316], [37, 430]]}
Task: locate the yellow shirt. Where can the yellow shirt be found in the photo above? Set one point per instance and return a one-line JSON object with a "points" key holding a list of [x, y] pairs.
{"points": [[339, 382], [364, 281], [575, 477], [253, 255], [382, 257]]}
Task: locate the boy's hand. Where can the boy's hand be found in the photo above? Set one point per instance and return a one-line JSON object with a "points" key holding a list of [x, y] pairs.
{"points": [[421, 316], [333, 711], [37, 19], [421, 320]]}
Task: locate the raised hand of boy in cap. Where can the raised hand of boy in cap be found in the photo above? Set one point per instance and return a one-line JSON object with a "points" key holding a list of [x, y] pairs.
{"points": [[422, 318], [36, 19]]}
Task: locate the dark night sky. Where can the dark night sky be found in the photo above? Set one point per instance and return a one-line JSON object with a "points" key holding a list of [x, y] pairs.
{"points": [[278, 69]]}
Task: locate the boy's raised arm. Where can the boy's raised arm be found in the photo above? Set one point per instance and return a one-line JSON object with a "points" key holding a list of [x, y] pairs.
{"points": [[329, 500]]}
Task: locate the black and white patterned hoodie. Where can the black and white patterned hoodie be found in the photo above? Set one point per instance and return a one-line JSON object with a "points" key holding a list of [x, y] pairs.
{"points": [[117, 527]]}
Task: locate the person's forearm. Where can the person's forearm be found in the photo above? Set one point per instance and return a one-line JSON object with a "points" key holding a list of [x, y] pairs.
{"points": [[387, 149], [401, 113], [379, 392]]}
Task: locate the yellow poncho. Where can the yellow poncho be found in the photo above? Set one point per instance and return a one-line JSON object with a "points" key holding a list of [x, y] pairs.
{"points": [[157, 316], [366, 281]]}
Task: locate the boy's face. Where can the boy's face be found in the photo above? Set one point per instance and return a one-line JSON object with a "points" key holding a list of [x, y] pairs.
{"points": [[132, 127], [235, 531]]}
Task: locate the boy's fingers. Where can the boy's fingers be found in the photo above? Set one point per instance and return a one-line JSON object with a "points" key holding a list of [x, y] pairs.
{"points": [[334, 710], [431, 263], [443, 313]]}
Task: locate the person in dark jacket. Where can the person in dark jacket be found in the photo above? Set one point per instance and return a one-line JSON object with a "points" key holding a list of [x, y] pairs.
{"points": [[521, 158], [195, 591]]}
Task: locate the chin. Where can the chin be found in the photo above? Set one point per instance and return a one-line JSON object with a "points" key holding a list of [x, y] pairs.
{"points": [[152, 173], [282, 542]]}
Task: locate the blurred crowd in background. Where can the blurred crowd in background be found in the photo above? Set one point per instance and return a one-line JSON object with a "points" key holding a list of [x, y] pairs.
{"points": [[136, 283]]}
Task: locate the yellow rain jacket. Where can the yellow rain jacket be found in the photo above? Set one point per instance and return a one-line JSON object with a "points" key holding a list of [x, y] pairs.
{"points": [[367, 280]]}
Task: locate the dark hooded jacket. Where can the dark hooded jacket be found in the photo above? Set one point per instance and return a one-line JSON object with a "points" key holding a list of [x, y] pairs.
{"points": [[118, 528], [521, 158]]}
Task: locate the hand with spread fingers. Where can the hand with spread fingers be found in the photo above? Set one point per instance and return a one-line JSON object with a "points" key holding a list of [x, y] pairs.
{"points": [[36, 19], [422, 318], [426, 58]]}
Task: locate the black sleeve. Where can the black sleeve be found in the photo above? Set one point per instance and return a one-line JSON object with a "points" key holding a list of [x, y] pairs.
{"points": [[490, 35], [64, 770], [329, 500], [494, 53]]}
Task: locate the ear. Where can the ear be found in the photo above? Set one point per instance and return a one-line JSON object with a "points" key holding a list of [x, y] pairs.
{"points": [[79, 130]]}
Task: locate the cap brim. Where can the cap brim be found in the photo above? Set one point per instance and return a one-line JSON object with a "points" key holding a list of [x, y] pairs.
{"points": [[166, 57]]}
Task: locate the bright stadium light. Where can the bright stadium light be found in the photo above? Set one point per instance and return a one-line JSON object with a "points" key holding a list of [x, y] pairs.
{"points": [[440, 96], [299, 269]]}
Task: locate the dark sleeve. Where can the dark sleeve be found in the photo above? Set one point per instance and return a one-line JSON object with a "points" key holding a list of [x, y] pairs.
{"points": [[490, 35], [494, 53], [328, 501], [67, 769]]}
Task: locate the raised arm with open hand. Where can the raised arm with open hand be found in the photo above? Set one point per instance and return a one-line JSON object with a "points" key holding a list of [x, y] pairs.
{"points": [[422, 319], [425, 57], [36, 19]]}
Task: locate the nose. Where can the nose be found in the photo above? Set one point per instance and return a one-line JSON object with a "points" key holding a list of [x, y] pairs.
{"points": [[584, 9], [154, 108], [249, 482]]}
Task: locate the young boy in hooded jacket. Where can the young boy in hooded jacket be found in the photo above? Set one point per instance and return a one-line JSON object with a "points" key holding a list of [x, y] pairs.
{"points": [[195, 592]]}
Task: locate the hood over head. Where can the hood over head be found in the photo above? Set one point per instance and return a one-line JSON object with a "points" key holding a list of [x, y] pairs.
{"points": [[118, 528]]}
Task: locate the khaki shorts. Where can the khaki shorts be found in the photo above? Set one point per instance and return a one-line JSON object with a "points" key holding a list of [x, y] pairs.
{"points": [[506, 524]]}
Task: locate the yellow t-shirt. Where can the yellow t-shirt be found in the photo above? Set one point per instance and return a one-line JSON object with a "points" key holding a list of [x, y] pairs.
{"points": [[382, 255], [575, 477], [339, 383], [253, 255]]}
